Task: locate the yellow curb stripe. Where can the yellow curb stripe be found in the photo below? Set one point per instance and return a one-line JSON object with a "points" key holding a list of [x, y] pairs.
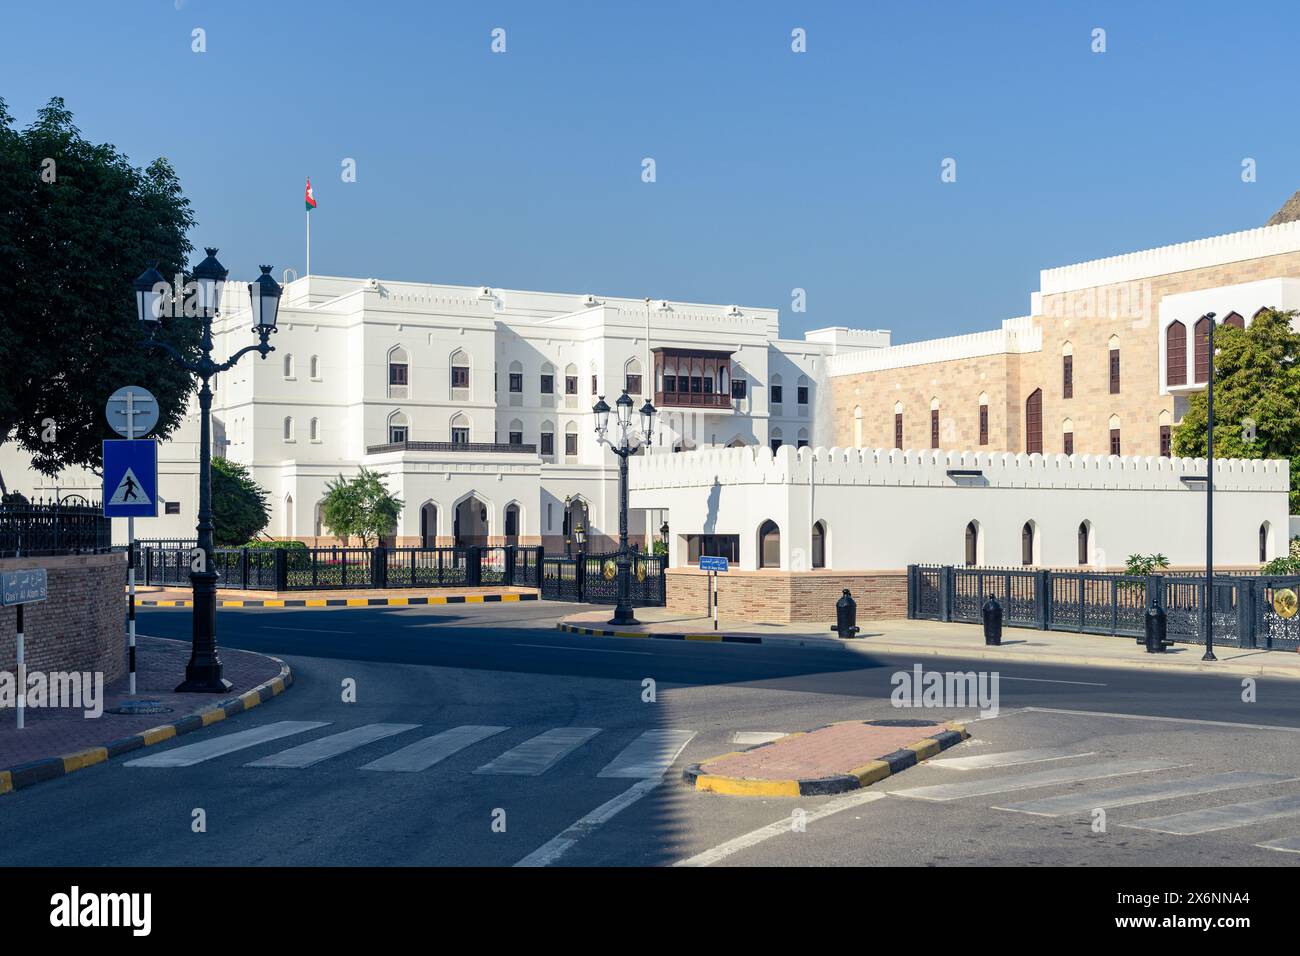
{"points": [[158, 734], [358, 602], [272, 604], [704, 637], [870, 773], [510, 597], [397, 602], [925, 749], [277, 686], [737, 787], [316, 602], [86, 758], [6, 781], [250, 699], [232, 603], [473, 599], [212, 716], [629, 634]]}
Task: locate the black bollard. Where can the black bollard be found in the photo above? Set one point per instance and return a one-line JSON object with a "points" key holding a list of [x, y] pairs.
{"points": [[992, 612], [846, 616], [1156, 627]]}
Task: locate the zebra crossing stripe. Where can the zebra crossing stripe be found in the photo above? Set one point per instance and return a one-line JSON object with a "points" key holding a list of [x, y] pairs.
{"points": [[650, 755], [189, 755], [1009, 758], [1221, 818], [423, 754], [1144, 793], [1044, 778], [538, 754], [314, 751]]}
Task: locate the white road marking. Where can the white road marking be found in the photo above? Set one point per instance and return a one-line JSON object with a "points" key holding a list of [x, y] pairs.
{"points": [[1044, 778], [1044, 680], [1286, 845], [556, 847], [314, 630], [226, 744], [1144, 793], [538, 754], [850, 800], [1221, 818], [751, 738], [650, 755], [1008, 758], [423, 754], [1168, 720], [314, 751], [588, 650]]}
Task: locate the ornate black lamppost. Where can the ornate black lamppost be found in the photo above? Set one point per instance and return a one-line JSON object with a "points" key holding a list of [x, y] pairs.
{"points": [[1209, 501], [154, 298], [623, 610]]}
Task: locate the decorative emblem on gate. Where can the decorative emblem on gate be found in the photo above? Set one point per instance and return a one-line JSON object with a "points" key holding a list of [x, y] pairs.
{"points": [[640, 571], [1284, 602], [610, 570]]}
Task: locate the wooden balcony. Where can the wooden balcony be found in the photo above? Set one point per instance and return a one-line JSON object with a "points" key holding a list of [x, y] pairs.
{"points": [[478, 448], [715, 400]]}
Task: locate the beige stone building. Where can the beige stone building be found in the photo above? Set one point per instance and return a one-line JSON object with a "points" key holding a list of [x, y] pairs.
{"points": [[1102, 364]]}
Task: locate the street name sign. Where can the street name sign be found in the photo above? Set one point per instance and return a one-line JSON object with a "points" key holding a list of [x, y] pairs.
{"points": [[130, 478], [709, 563], [25, 586]]}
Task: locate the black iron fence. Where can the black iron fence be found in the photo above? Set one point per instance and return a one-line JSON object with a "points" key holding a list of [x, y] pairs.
{"points": [[1242, 612], [52, 528], [336, 568], [594, 578]]}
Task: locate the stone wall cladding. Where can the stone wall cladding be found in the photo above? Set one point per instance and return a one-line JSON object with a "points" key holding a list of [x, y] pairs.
{"points": [[1072, 315], [81, 627], [782, 597]]}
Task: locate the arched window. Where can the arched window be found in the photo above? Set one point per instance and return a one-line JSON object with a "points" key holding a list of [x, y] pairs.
{"points": [[775, 439], [1114, 364], [288, 366], [984, 418], [398, 372], [512, 522], [801, 394], [547, 382], [516, 382], [571, 383], [571, 440], [801, 441], [1067, 436], [1263, 542], [428, 525], [632, 377], [459, 429], [777, 395], [1166, 434], [819, 545], [1114, 435], [972, 543], [288, 516], [318, 520], [516, 433], [1202, 333], [1234, 319], [399, 428], [769, 545], [934, 422], [546, 440], [898, 425], [1027, 543], [1176, 354], [460, 369], [1067, 370], [1085, 542], [1034, 422], [288, 428], [857, 426], [313, 429], [314, 366]]}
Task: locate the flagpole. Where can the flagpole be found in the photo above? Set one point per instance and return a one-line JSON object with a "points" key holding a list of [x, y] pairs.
{"points": [[308, 242]]}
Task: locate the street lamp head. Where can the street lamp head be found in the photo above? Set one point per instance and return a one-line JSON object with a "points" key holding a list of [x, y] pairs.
{"points": [[601, 411], [150, 289], [265, 295], [209, 276], [648, 421], [624, 405]]}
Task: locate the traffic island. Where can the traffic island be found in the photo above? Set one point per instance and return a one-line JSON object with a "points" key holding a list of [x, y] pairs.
{"points": [[834, 759]]}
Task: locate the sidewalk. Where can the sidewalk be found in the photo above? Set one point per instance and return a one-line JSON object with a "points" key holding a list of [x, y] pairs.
{"points": [[59, 741], [360, 597], [948, 640]]}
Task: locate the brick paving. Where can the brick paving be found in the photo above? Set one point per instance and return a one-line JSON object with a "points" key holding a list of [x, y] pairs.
{"points": [[822, 753], [160, 667], [184, 594]]}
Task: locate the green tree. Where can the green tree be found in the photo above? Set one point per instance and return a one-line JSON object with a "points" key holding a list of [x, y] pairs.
{"points": [[1256, 397], [78, 223], [239, 508], [361, 506]]}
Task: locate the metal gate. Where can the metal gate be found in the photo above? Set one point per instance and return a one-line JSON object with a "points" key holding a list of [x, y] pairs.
{"points": [[594, 578]]}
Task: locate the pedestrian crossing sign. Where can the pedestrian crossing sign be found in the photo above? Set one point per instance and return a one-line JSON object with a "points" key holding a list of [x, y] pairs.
{"points": [[131, 479]]}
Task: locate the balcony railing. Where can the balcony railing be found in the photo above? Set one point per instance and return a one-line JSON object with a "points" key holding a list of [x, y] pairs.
{"points": [[475, 447], [692, 400]]}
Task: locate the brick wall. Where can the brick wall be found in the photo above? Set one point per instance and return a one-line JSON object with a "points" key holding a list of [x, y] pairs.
{"points": [[81, 627], [784, 597]]}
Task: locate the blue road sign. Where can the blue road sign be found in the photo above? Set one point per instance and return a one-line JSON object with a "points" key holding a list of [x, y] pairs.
{"points": [[27, 586], [131, 478], [708, 563]]}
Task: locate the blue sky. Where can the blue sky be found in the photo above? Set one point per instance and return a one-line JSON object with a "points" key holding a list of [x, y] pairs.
{"points": [[775, 170]]}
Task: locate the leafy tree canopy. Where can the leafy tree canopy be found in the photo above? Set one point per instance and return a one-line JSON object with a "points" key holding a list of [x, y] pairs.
{"points": [[78, 223], [239, 508], [361, 506], [1256, 397]]}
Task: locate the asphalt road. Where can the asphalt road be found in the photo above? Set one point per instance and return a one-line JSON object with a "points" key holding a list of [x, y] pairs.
{"points": [[424, 671]]}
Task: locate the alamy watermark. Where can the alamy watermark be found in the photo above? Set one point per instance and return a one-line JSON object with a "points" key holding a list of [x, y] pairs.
{"points": [[77, 690], [946, 690]]}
